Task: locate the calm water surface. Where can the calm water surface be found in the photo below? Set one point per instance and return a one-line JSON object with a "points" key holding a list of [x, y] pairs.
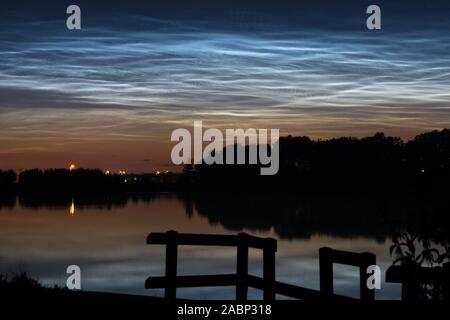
{"points": [[108, 242]]}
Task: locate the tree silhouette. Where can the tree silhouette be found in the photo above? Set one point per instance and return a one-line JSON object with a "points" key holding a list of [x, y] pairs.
{"points": [[376, 163], [413, 250]]}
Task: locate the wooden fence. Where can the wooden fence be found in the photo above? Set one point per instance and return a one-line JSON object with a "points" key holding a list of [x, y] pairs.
{"points": [[242, 280], [328, 256]]}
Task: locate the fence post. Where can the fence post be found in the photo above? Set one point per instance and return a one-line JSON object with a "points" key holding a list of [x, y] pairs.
{"points": [[270, 247], [326, 272], [242, 267], [369, 259], [170, 291]]}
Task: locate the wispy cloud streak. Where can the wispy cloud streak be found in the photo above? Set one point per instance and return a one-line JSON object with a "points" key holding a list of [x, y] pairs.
{"points": [[137, 79]]}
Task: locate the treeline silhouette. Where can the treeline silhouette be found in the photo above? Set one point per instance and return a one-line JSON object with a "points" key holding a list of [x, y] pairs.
{"points": [[374, 163], [104, 201], [7, 179], [293, 216], [377, 163], [288, 215], [91, 181]]}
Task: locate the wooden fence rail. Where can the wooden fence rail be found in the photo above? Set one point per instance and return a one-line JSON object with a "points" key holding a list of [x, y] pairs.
{"points": [[328, 256], [241, 279], [242, 241]]}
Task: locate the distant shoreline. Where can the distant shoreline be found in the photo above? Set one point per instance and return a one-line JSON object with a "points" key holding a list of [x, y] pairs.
{"points": [[372, 164]]}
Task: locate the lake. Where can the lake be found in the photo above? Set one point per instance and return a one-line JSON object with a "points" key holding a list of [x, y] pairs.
{"points": [[106, 237]]}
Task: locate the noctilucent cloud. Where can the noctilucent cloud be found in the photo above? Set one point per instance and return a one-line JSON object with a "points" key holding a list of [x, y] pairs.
{"points": [[110, 94]]}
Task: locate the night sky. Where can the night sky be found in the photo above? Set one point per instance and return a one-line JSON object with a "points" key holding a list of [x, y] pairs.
{"points": [[110, 94]]}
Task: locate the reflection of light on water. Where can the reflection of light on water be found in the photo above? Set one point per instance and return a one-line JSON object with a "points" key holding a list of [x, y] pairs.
{"points": [[72, 208]]}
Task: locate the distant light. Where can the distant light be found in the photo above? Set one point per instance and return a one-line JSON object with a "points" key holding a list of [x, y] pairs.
{"points": [[107, 172], [167, 171], [72, 167], [423, 170], [72, 208], [158, 172], [122, 172]]}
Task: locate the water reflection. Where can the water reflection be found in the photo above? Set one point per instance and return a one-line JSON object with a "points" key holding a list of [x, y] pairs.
{"points": [[72, 208], [295, 217], [106, 235]]}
